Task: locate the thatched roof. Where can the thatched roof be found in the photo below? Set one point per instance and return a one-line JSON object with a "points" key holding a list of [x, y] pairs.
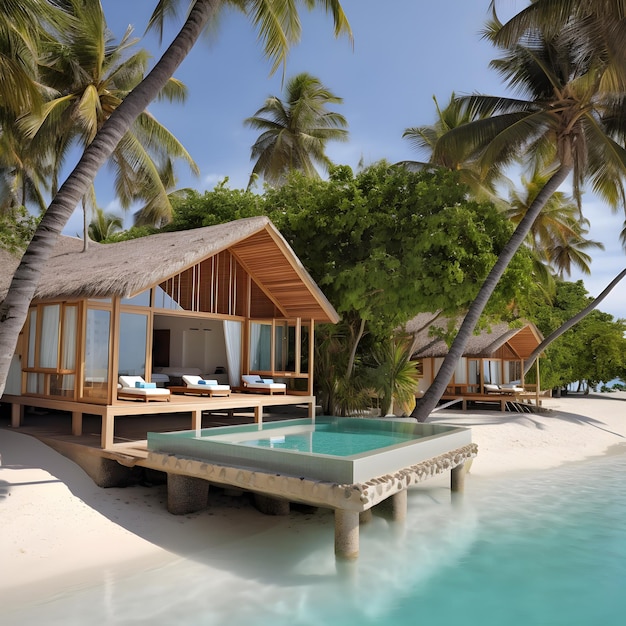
{"points": [[523, 339], [129, 267]]}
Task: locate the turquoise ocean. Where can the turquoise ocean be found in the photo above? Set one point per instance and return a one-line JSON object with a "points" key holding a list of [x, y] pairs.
{"points": [[535, 548]]}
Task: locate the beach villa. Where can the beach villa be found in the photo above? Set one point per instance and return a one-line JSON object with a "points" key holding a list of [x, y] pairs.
{"points": [[491, 370], [224, 318], [214, 303]]}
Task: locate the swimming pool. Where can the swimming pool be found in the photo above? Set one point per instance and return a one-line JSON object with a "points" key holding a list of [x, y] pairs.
{"points": [[339, 450]]}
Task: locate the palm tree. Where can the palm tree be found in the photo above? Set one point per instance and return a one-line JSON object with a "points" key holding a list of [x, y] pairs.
{"points": [[295, 132], [90, 76], [424, 139], [557, 237], [278, 26], [103, 225], [563, 118], [22, 171]]}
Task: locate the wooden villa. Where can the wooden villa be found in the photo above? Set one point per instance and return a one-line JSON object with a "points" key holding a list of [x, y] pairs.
{"points": [[221, 301], [491, 369]]}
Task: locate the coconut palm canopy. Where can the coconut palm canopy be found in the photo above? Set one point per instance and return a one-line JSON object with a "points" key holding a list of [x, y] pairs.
{"points": [[129, 267], [523, 339]]}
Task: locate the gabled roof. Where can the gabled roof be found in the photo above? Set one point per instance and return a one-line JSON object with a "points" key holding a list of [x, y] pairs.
{"points": [[129, 267], [523, 339]]}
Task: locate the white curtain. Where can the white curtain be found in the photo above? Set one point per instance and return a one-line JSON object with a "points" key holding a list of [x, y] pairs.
{"points": [[232, 336], [460, 375], [49, 348]]}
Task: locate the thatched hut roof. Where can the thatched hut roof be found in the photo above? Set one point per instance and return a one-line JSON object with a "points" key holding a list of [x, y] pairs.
{"points": [[523, 339], [129, 267]]}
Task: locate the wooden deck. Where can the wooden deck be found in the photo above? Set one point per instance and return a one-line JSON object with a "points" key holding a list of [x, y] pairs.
{"points": [[504, 400], [249, 403]]}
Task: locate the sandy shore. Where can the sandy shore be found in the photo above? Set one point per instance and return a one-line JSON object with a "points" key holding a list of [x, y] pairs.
{"points": [[59, 527]]}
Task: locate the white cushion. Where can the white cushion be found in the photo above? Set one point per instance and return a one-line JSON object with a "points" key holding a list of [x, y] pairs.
{"points": [[256, 382], [129, 381], [139, 391], [193, 382]]}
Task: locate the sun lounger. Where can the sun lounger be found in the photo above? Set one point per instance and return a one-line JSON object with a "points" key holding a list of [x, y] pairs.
{"points": [[262, 385], [136, 388], [199, 386], [506, 388]]}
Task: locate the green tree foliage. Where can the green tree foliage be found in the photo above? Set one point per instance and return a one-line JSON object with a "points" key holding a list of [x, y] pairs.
{"points": [[384, 245], [594, 350], [389, 243], [17, 227], [222, 204]]}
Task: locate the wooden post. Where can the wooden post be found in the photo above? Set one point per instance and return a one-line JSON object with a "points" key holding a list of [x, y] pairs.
{"points": [[196, 420], [258, 414], [346, 534], [17, 415], [106, 434], [77, 423]]}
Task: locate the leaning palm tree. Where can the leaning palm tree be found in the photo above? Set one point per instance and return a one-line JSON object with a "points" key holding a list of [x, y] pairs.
{"points": [[278, 26], [564, 119], [295, 131]]}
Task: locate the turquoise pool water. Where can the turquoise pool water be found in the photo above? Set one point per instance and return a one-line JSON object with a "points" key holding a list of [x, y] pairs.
{"points": [[547, 548], [327, 440]]}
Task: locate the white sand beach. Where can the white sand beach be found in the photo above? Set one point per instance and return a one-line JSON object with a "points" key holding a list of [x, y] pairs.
{"points": [[59, 528]]}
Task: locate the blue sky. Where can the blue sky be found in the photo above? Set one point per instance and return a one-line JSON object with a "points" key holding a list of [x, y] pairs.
{"points": [[403, 55]]}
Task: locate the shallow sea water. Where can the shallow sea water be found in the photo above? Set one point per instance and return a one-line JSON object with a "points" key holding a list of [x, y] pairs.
{"points": [[542, 548]]}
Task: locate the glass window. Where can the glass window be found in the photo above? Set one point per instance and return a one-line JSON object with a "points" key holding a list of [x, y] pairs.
{"points": [[49, 346], [260, 347], [163, 300], [97, 334], [70, 317], [460, 374], [304, 349], [141, 299], [491, 371], [133, 344], [284, 348]]}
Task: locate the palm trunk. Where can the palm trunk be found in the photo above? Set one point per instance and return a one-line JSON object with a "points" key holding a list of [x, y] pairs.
{"points": [[571, 322], [433, 394], [355, 345], [14, 308]]}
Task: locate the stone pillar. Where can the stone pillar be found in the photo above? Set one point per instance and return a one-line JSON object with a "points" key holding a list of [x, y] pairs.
{"points": [[457, 478], [186, 494], [399, 506], [271, 506], [365, 516], [346, 534]]}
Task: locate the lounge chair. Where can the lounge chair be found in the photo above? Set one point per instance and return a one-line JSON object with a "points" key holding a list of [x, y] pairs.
{"points": [[506, 388], [253, 382], [136, 388], [199, 386]]}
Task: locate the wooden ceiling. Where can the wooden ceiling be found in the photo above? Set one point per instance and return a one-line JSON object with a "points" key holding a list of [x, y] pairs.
{"points": [[277, 271]]}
